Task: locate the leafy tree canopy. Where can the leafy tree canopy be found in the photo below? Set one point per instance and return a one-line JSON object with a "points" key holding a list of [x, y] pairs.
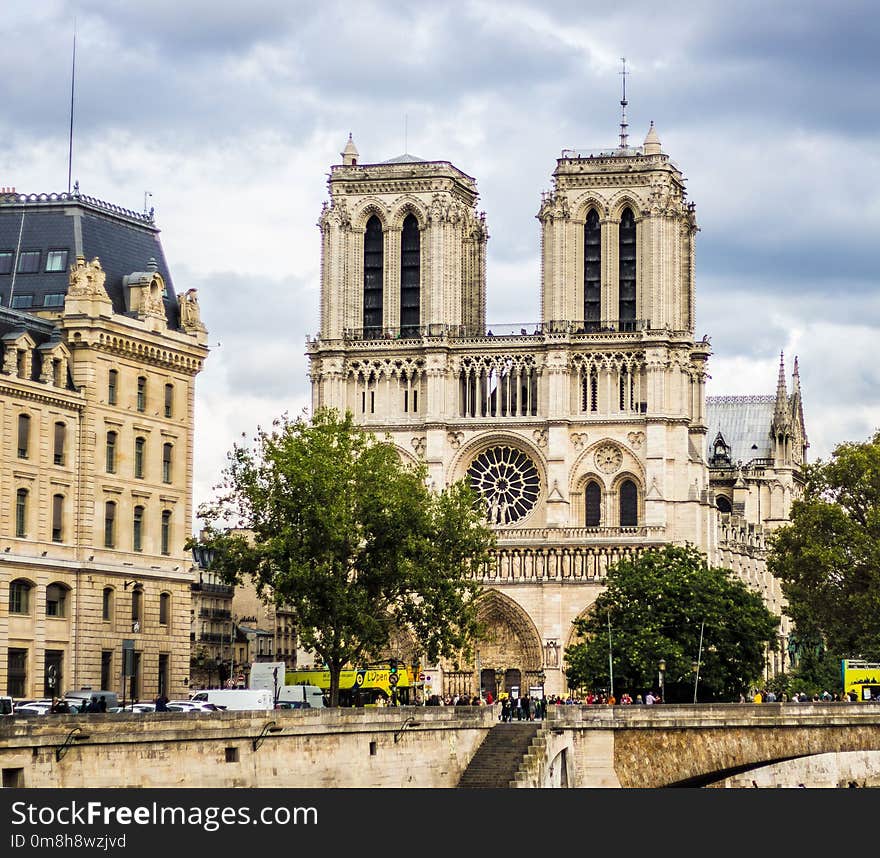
{"points": [[656, 604], [328, 522], [828, 557]]}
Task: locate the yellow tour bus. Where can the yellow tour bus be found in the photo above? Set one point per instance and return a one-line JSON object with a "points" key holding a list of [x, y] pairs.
{"points": [[363, 686], [861, 679]]}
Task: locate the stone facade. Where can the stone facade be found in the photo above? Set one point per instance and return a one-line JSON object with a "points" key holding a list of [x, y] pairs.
{"points": [[586, 432], [97, 392]]}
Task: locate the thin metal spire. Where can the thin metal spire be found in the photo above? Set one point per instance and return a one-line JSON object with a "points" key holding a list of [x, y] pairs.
{"points": [[623, 103], [72, 82]]}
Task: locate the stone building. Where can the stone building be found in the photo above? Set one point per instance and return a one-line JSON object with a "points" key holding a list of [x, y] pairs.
{"points": [[98, 360], [588, 433]]}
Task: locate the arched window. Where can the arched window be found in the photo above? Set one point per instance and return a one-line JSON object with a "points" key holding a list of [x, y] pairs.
{"points": [[112, 386], [56, 600], [166, 462], [592, 271], [593, 505], [627, 271], [142, 393], [410, 262], [166, 531], [60, 438], [57, 518], [21, 499], [374, 261], [107, 606], [20, 596], [137, 529], [110, 524], [723, 504], [164, 608], [629, 504], [139, 445], [111, 453], [24, 435], [169, 400]]}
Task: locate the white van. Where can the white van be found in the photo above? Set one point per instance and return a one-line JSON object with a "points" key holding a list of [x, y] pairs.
{"points": [[236, 699], [267, 674], [300, 697]]}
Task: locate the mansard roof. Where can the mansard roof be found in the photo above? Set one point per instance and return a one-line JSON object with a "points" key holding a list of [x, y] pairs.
{"points": [[124, 241], [744, 423]]}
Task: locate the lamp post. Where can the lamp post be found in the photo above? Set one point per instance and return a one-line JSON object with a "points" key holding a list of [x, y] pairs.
{"points": [[661, 666]]}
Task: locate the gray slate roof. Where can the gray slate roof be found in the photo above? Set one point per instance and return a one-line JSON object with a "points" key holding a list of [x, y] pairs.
{"points": [[744, 422], [124, 242], [405, 159]]}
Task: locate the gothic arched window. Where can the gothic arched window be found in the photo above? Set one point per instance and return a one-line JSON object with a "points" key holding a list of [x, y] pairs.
{"points": [[593, 504], [629, 504], [592, 271], [374, 261], [410, 273], [627, 271], [723, 504]]}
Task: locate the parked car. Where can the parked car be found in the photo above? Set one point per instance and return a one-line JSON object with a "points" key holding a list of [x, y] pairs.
{"points": [[193, 706], [33, 707]]}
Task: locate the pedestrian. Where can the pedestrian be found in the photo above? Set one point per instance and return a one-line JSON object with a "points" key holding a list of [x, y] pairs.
{"points": [[650, 700], [102, 704], [161, 703]]}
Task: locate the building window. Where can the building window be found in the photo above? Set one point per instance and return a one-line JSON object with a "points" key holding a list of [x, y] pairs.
{"points": [[112, 386], [111, 453], [53, 672], [110, 524], [593, 500], [166, 462], [24, 435], [374, 261], [139, 444], [16, 672], [21, 499], [629, 504], [56, 600], [57, 518], [6, 259], [29, 262], [60, 437], [137, 604], [106, 668], [137, 535], [723, 504], [53, 299], [164, 608], [142, 393], [592, 271], [107, 608], [627, 271], [19, 597], [162, 683], [56, 260], [410, 274], [166, 531], [169, 400], [22, 302]]}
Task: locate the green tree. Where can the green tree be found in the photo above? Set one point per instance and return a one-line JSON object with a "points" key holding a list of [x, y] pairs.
{"points": [[327, 521], [656, 605], [828, 557]]}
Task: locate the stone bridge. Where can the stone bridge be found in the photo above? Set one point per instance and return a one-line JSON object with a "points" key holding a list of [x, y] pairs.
{"points": [[815, 744], [769, 744]]}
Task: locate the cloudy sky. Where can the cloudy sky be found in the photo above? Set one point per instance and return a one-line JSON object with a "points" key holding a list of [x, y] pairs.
{"points": [[226, 118]]}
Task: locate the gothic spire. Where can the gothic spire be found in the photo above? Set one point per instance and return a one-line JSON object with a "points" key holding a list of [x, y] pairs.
{"points": [[781, 411]]}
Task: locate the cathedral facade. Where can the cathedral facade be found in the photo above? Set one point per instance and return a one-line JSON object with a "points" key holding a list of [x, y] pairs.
{"points": [[588, 434]]}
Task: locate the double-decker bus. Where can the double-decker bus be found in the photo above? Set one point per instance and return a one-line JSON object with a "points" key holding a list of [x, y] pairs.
{"points": [[861, 678], [363, 686]]}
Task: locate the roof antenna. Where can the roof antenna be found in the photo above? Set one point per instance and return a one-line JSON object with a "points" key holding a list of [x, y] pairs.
{"points": [[623, 103], [72, 81]]}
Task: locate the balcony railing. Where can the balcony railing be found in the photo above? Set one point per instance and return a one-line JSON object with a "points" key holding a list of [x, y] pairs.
{"points": [[552, 328], [216, 613], [213, 589]]}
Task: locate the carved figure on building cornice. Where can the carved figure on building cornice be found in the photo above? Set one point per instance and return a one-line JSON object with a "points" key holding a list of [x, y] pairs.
{"points": [[578, 439], [455, 439], [540, 436], [87, 279], [419, 445], [190, 315], [636, 438]]}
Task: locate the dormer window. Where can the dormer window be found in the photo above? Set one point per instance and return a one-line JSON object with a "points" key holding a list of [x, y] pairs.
{"points": [[720, 452]]}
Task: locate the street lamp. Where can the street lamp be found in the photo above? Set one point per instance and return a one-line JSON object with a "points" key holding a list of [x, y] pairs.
{"points": [[695, 667], [661, 666]]}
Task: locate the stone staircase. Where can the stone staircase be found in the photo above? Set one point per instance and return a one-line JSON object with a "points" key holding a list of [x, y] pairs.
{"points": [[499, 757]]}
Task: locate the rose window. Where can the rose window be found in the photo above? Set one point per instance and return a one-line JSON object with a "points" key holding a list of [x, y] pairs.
{"points": [[508, 482]]}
